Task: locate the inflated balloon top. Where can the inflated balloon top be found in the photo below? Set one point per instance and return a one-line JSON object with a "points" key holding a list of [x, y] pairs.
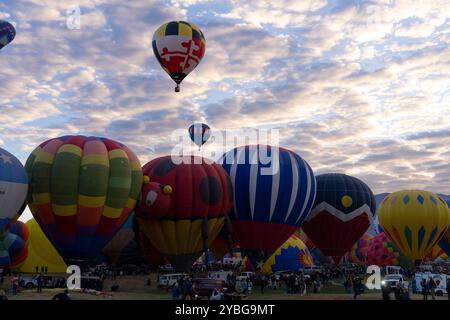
{"points": [[7, 33], [179, 46], [343, 211], [274, 190], [13, 189], [82, 190], [415, 220], [183, 207]]}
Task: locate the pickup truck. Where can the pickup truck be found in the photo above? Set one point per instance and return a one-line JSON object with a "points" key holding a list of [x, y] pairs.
{"points": [[391, 281]]}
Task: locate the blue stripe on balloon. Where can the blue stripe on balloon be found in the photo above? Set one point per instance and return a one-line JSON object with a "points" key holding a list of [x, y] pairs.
{"points": [[432, 235], [421, 235], [286, 180]]}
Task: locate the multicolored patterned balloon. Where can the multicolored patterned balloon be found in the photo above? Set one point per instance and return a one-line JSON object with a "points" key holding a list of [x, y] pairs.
{"points": [[13, 246], [382, 252], [293, 255], [415, 220], [82, 190], [358, 253]]}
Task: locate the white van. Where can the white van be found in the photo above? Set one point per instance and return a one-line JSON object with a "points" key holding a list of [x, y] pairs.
{"points": [[440, 279], [168, 280], [219, 275]]}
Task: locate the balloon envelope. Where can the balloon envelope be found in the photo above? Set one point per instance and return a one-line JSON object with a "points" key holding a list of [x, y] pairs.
{"points": [[13, 246], [7, 33], [41, 253], [183, 205], [13, 189], [274, 189], [342, 213], [82, 190], [199, 133], [293, 255], [179, 46], [415, 220]]}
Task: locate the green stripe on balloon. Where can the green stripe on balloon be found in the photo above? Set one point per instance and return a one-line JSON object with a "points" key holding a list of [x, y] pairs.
{"points": [[119, 182], [94, 180], [65, 191]]}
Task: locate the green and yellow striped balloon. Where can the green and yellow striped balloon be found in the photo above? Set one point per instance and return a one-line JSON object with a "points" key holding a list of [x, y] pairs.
{"points": [[82, 190]]}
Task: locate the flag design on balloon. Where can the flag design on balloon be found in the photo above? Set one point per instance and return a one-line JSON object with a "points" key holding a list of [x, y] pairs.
{"points": [[179, 46]]}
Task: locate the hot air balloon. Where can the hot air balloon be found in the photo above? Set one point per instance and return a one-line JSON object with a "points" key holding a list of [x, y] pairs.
{"points": [[13, 246], [382, 252], [274, 189], [7, 33], [183, 207], [342, 213], [82, 190], [199, 133], [179, 46], [151, 254], [434, 253], [41, 252], [114, 248], [13, 189], [414, 220], [358, 252], [293, 255], [444, 243]]}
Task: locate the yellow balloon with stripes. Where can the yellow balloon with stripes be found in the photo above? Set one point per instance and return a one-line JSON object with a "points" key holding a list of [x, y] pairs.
{"points": [[414, 220]]}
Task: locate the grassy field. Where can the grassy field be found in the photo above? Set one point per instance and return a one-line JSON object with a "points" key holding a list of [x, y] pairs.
{"points": [[136, 288]]}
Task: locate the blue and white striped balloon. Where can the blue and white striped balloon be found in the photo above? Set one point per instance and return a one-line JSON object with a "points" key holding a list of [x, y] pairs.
{"points": [[13, 189], [270, 184]]}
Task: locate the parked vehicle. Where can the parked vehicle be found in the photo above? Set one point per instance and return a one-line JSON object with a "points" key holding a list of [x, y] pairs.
{"points": [[439, 279], [204, 287], [47, 282], [391, 281], [168, 280], [232, 262], [219, 275]]}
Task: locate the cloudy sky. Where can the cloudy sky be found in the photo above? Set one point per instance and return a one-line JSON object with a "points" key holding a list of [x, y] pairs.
{"points": [[360, 87]]}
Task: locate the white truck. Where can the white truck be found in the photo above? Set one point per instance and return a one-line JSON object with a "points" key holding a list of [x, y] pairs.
{"points": [[439, 278], [392, 280]]}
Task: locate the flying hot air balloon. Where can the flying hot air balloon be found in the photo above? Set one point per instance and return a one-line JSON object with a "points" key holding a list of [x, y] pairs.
{"points": [[179, 46], [13, 189], [415, 220], [199, 133], [274, 189], [342, 213], [82, 190], [183, 207], [7, 33]]}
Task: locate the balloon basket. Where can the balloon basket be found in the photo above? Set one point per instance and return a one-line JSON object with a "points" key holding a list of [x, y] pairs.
{"points": [[177, 88]]}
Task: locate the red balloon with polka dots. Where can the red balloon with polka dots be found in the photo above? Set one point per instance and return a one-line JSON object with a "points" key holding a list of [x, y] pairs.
{"points": [[183, 206]]}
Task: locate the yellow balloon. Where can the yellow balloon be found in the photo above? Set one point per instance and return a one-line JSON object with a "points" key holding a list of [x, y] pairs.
{"points": [[41, 253], [414, 220]]}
